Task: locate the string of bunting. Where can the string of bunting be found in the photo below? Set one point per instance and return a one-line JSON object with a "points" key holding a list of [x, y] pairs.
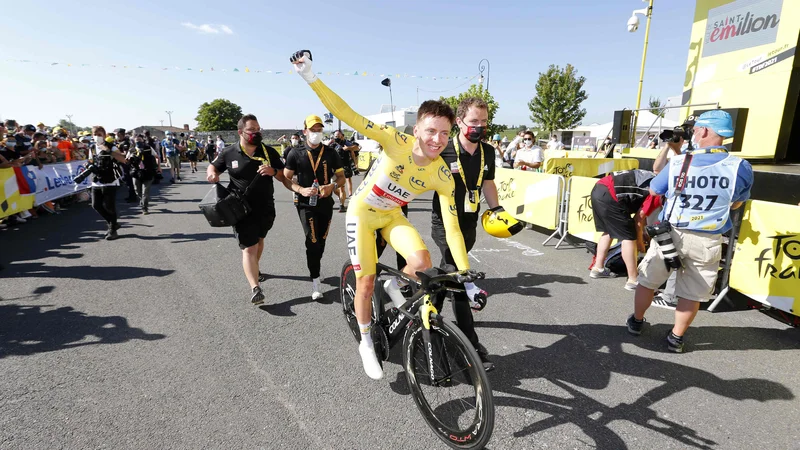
{"points": [[356, 73]]}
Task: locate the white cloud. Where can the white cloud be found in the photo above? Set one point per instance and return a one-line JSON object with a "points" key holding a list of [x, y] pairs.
{"points": [[207, 28]]}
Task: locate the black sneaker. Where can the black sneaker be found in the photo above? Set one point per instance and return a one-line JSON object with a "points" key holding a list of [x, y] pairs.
{"points": [[262, 277], [635, 326], [172, 181], [483, 354], [111, 235], [674, 343], [179, 179], [258, 296], [342, 208]]}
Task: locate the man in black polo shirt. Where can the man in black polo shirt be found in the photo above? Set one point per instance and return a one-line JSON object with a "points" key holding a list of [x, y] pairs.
{"points": [[246, 161], [472, 164], [319, 172], [346, 151]]}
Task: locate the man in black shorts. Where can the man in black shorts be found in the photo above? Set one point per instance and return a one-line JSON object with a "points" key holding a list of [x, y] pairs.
{"points": [[251, 164], [615, 199]]}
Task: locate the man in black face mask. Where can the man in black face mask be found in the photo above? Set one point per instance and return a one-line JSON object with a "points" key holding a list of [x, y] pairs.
{"points": [[472, 163], [144, 165], [124, 146]]}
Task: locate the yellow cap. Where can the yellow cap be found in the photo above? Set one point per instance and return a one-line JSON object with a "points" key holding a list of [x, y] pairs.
{"points": [[313, 120]]}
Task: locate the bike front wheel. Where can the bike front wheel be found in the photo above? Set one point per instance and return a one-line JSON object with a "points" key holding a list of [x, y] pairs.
{"points": [[457, 401]]}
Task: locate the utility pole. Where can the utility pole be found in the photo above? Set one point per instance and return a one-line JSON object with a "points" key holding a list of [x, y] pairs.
{"points": [[169, 113], [162, 122], [72, 125]]}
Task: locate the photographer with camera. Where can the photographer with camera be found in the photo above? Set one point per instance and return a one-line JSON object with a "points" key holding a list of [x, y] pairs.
{"points": [[702, 186], [105, 170], [675, 142]]}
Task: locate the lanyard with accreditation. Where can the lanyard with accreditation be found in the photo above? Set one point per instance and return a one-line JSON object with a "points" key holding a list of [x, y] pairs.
{"points": [[264, 161], [473, 195], [315, 165]]}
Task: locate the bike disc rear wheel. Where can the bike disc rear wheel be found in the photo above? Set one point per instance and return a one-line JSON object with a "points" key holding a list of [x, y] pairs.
{"points": [[347, 295], [460, 410]]}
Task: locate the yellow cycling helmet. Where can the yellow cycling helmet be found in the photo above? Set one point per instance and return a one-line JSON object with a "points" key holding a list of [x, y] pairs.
{"points": [[499, 223], [110, 139]]}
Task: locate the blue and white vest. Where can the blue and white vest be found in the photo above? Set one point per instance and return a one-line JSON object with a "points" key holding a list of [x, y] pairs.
{"points": [[705, 203]]}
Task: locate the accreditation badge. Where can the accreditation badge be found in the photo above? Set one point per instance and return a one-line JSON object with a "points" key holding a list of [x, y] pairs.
{"points": [[471, 201]]}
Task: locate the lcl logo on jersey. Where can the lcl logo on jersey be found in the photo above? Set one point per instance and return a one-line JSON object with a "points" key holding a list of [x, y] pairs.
{"points": [[445, 174], [416, 183]]}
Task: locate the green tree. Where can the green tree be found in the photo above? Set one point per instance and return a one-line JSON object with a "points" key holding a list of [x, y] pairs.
{"points": [[655, 104], [477, 90], [559, 94], [219, 115]]}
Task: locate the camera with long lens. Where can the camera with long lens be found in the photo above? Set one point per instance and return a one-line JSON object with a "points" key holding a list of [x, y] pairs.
{"points": [[104, 169], [660, 232], [676, 134], [81, 177]]}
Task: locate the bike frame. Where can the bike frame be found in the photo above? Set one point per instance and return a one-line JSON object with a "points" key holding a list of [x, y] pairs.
{"points": [[417, 308]]}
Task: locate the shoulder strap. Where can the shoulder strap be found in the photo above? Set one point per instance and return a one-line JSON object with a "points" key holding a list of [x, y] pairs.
{"points": [[680, 184]]}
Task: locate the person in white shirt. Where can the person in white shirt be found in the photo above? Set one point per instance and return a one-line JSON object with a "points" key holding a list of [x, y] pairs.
{"points": [[220, 144], [530, 156], [554, 143]]}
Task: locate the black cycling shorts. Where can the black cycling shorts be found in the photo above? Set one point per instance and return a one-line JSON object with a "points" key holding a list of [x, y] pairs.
{"points": [[254, 227], [611, 217]]}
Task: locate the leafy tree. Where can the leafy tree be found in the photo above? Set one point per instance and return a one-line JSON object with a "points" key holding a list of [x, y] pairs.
{"points": [[477, 90], [219, 115], [655, 104], [559, 94]]}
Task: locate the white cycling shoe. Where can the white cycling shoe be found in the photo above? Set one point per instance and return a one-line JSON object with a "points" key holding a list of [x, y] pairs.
{"points": [[370, 361]]}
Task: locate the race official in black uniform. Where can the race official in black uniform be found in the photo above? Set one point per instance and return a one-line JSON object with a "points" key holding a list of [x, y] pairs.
{"points": [[310, 162], [472, 163], [244, 161]]}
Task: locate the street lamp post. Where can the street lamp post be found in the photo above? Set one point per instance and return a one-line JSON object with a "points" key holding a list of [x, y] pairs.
{"points": [[72, 125], [633, 25], [481, 68], [169, 113]]}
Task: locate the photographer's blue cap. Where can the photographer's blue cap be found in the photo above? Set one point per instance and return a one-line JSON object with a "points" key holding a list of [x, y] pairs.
{"points": [[718, 121]]}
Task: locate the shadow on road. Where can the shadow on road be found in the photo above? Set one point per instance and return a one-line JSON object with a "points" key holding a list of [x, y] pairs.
{"points": [[105, 273], [27, 330], [284, 309], [180, 238], [526, 283], [589, 354]]}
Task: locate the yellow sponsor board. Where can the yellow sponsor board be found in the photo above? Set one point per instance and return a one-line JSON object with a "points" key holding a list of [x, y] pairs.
{"points": [[766, 265], [582, 167], [11, 202], [580, 217], [741, 55], [364, 159], [530, 196]]}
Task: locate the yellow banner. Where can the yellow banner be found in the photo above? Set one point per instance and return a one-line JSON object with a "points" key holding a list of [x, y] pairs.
{"points": [[529, 196], [766, 265], [581, 167], [364, 159], [11, 201], [580, 218], [741, 54]]}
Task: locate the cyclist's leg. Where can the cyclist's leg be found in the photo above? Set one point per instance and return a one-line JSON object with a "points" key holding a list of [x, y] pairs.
{"points": [[360, 228], [406, 241]]}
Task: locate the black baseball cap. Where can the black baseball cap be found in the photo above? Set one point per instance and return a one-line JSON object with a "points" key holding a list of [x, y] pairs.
{"points": [[29, 127]]}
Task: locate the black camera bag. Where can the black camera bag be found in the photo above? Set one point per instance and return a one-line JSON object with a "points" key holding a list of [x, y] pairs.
{"points": [[225, 207]]}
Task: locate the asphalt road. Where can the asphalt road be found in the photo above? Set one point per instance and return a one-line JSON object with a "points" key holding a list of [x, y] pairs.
{"points": [[150, 341]]}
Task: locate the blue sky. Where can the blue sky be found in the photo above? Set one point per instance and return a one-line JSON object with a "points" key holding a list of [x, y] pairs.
{"points": [[520, 38]]}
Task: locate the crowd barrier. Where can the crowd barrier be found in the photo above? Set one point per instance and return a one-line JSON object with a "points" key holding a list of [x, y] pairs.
{"points": [[766, 262], [587, 167], [530, 196], [580, 217], [22, 188]]}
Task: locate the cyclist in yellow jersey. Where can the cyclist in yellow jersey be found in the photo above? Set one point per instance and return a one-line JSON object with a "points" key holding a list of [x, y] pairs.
{"points": [[408, 167]]}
